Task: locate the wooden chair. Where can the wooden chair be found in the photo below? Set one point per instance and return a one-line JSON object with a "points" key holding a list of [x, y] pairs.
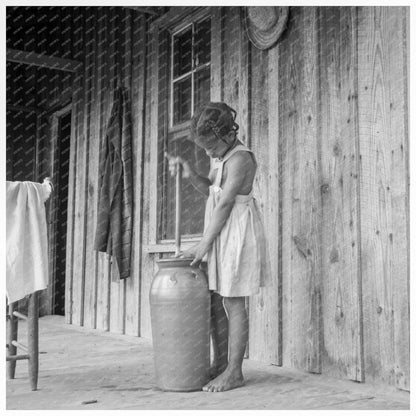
{"points": [[31, 350]]}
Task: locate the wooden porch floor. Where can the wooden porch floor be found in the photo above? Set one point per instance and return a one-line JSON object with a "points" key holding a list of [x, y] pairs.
{"points": [[116, 372]]}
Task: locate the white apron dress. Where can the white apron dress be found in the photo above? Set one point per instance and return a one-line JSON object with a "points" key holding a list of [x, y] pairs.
{"points": [[238, 261]]}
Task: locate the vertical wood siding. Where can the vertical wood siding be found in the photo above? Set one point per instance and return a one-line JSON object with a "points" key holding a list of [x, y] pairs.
{"points": [[139, 60], [325, 111], [338, 148], [384, 193], [148, 263], [103, 261], [90, 285], [95, 296], [301, 202], [76, 252], [231, 60]]}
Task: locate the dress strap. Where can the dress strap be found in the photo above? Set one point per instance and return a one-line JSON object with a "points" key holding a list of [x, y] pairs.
{"points": [[236, 149], [220, 163]]}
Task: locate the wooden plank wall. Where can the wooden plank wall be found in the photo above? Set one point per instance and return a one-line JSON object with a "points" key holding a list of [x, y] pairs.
{"points": [[384, 191], [92, 133], [325, 111], [265, 308], [76, 199], [117, 286], [338, 147], [301, 202], [103, 260], [138, 62], [114, 50], [149, 263]]}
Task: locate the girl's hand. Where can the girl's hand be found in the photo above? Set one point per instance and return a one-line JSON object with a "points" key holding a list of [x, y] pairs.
{"points": [[174, 161], [197, 252]]}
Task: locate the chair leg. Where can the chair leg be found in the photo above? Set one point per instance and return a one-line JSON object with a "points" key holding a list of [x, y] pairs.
{"points": [[33, 339], [11, 336]]}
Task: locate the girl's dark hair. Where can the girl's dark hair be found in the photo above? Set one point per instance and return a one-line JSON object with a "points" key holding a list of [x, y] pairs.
{"points": [[216, 117]]}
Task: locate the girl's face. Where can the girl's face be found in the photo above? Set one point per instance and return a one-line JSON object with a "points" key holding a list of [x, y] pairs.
{"points": [[213, 147]]}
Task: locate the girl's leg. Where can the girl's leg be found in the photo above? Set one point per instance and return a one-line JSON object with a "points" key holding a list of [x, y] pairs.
{"points": [[219, 334], [238, 334]]}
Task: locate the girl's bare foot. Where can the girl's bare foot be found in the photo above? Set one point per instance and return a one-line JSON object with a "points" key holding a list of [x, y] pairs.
{"points": [[229, 379], [216, 369]]}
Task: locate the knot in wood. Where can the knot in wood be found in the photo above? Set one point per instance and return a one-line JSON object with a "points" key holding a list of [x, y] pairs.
{"points": [[334, 256], [336, 149], [324, 188], [302, 245]]}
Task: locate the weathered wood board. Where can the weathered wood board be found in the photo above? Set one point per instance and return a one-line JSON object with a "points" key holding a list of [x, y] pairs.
{"points": [[79, 205], [301, 204], [265, 310], [92, 133], [139, 50], [382, 100], [148, 229], [216, 53], [341, 285], [103, 261], [231, 61]]}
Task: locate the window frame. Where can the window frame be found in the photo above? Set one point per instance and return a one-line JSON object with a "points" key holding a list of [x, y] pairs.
{"points": [[194, 69], [174, 22]]}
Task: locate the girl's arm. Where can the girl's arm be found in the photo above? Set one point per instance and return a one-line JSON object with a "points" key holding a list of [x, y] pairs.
{"points": [[236, 173], [199, 182]]}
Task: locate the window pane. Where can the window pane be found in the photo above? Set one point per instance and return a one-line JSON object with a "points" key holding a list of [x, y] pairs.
{"points": [[202, 42], [193, 202], [202, 86], [182, 100], [192, 42], [182, 53]]}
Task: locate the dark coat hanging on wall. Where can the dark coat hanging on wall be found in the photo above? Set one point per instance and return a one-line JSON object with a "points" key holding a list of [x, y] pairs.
{"points": [[114, 217]]}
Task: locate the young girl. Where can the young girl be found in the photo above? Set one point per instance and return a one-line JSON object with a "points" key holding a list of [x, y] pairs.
{"points": [[233, 242]]}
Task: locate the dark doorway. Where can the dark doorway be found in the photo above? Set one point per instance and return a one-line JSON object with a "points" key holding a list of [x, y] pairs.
{"points": [[21, 152], [60, 216]]}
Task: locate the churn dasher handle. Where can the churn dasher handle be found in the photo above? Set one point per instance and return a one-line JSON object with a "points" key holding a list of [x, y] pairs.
{"points": [[178, 208]]}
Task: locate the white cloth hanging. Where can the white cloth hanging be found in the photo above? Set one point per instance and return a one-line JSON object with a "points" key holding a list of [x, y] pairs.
{"points": [[27, 240]]}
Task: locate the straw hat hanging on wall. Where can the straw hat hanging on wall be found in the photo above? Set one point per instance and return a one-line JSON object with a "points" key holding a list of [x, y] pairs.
{"points": [[264, 25]]}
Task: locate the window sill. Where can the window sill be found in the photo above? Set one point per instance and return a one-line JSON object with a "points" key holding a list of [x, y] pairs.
{"points": [[168, 246]]}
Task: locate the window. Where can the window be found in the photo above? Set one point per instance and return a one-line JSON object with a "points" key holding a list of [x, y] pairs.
{"points": [[190, 72], [187, 86]]}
